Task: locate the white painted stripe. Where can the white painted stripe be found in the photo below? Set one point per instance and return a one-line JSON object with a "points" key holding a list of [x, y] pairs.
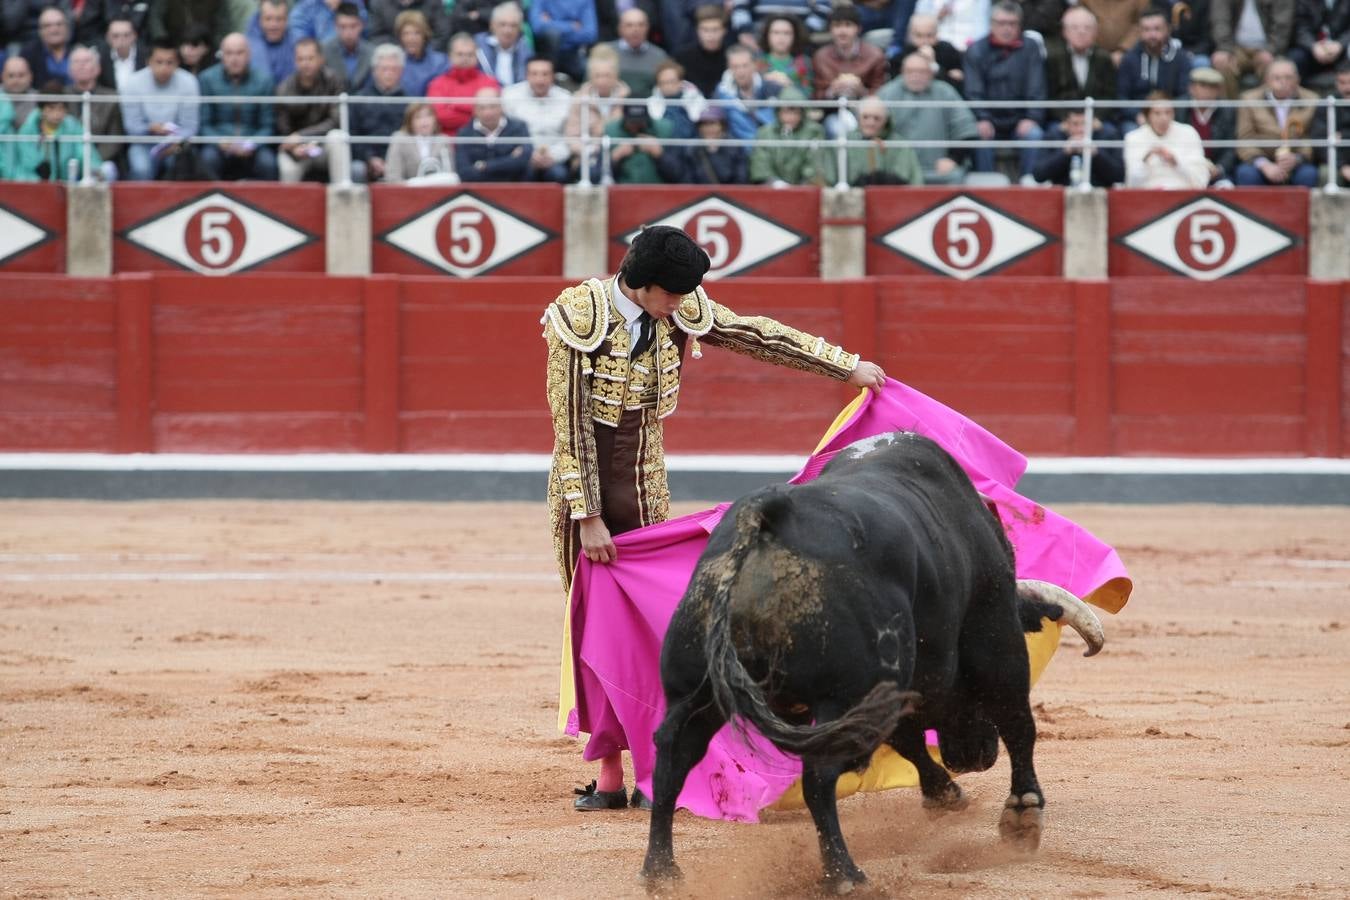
{"points": [[539, 462], [323, 577]]}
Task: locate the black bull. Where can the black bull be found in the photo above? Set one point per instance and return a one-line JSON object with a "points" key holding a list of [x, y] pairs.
{"points": [[868, 605]]}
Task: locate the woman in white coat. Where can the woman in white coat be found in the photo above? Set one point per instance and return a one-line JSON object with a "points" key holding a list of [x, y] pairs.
{"points": [[418, 152], [1164, 153]]}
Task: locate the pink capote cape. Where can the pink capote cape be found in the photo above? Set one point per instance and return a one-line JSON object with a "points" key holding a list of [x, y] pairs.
{"points": [[619, 613]]}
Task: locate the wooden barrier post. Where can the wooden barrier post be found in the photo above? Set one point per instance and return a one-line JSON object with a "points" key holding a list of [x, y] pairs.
{"points": [[135, 353], [1092, 401], [380, 298], [1324, 366]]}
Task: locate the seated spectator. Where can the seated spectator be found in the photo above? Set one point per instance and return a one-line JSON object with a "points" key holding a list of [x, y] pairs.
{"points": [[88, 21], [951, 122], [714, 162], [382, 119], [883, 20], [120, 54], [877, 163], [1248, 35], [304, 153], [172, 113], [675, 101], [52, 145], [563, 29], [1213, 123], [783, 54], [346, 54], [1004, 67], [1342, 126], [418, 150], [137, 12], [17, 79], [785, 166], [1190, 25], [237, 126], [1164, 153], [1056, 165], [638, 57], [270, 44], [543, 107], [421, 64], [847, 66], [470, 16], [743, 84], [602, 97], [1321, 35], [502, 50], [1285, 156], [7, 127], [1075, 67], [496, 160], [318, 19], [943, 58], [705, 62], [382, 22], [960, 22], [462, 81], [648, 161], [1156, 63], [48, 54], [169, 19], [1117, 24], [194, 50], [675, 21], [748, 17], [105, 119]]}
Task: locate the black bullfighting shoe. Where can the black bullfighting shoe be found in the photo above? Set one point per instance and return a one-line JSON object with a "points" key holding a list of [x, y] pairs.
{"points": [[640, 800], [590, 800]]}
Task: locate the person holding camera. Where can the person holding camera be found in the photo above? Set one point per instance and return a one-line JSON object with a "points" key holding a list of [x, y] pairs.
{"points": [[52, 143], [649, 160]]}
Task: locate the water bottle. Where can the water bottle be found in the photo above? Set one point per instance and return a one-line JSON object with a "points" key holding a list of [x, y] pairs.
{"points": [[1076, 170]]}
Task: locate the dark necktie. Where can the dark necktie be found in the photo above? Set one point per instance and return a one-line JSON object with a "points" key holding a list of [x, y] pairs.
{"points": [[645, 336]]}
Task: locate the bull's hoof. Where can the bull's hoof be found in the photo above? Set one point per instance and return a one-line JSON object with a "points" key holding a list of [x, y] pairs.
{"points": [[950, 799], [1022, 821], [660, 879], [839, 885]]}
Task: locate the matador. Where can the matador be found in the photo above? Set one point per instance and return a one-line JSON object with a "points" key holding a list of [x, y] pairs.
{"points": [[615, 350]]}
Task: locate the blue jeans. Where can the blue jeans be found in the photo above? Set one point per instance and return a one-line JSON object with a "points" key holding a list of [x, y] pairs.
{"points": [[143, 167], [984, 156], [1248, 175], [261, 165]]}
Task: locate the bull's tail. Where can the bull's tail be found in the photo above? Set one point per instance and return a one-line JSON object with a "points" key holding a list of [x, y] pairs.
{"points": [[853, 735]]}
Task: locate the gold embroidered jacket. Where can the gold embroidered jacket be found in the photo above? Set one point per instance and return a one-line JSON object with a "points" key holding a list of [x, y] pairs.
{"points": [[608, 454]]}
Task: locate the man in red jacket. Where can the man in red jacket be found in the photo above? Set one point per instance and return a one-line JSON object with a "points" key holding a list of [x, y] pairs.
{"points": [[463, 80]]}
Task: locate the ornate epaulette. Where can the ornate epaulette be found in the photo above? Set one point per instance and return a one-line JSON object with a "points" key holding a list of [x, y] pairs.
{"points": [[695, 313], [580, 315]]}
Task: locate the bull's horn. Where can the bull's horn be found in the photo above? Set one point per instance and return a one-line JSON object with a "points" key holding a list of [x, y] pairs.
{"points": [[1077, 614]]}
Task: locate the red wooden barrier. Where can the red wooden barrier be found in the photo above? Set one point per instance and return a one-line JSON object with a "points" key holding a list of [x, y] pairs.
{"points": [[58, 363], [964, 234], [1205, 236], [745, 230], [504, 229], [32, 227], [219, 229], [171, 362]]}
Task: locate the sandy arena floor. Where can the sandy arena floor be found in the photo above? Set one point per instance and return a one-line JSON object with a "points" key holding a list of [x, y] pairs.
{"points": [[304, 699]]}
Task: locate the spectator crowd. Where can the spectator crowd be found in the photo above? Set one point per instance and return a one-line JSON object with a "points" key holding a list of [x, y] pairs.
{"points": [[448, 91]]}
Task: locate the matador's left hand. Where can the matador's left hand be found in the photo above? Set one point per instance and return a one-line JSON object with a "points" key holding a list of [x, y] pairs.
{"points": [[868, 375]]}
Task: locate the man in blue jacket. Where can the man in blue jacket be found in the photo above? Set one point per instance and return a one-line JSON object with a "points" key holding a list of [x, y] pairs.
{"points": [[237, 125], [1004, 66], [563, 29], [1156, 63], [492, 161]]}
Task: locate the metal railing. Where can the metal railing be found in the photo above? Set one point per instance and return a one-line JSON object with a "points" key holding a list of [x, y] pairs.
{"points": [[603, 145]]}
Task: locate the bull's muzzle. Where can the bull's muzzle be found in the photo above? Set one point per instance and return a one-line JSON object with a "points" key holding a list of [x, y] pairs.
{"points": [[1077, 614]]}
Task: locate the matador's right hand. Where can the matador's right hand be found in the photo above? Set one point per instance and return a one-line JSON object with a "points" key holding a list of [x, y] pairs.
{"points": [[596, 542]]}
